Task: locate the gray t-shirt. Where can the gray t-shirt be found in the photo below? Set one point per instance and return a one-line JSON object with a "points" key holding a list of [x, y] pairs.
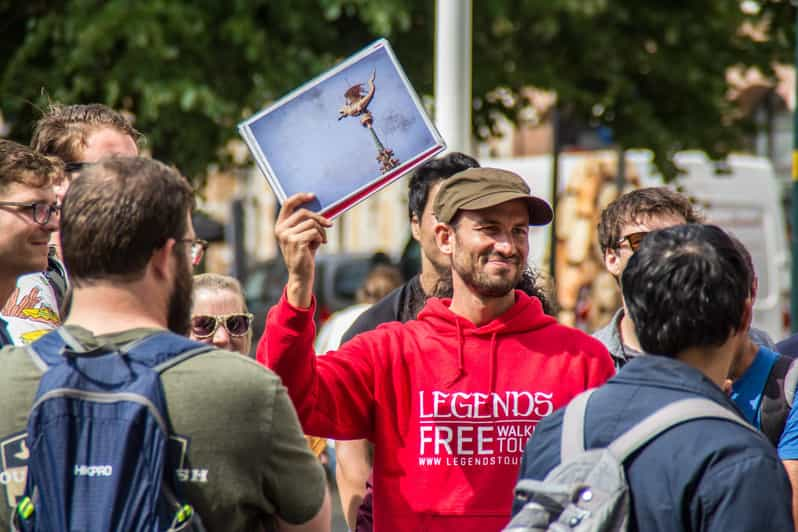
{"points": [[610, 336]]}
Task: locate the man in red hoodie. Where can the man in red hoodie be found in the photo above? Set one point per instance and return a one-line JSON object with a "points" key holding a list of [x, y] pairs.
{"points": [[449, 399]]}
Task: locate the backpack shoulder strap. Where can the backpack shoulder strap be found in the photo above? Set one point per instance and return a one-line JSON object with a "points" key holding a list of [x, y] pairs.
{"points": [[775, 404], [163, 350], [174, 361], [790, 383], [47, 350], [573, 427], [669, 416]]}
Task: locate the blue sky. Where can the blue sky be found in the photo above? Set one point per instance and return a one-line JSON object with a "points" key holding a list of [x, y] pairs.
{"points": [[310, 150]]}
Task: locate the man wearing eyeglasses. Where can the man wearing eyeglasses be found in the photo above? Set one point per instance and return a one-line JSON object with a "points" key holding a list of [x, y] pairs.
{"points": [[77, 135], [239, 456], [623, 224], [28, 216]]}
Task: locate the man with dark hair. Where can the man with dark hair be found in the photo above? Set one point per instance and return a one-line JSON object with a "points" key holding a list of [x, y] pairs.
{"points": [[77, 135], [687, 292], [623, 224], [239, 456], [449, 398], [28, 216], [404, 303]]}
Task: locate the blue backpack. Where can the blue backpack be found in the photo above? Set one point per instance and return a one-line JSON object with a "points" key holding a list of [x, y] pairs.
{"points": [[97, 437]]}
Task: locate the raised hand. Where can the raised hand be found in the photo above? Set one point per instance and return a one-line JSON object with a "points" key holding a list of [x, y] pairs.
{"points": [[299, 233]]}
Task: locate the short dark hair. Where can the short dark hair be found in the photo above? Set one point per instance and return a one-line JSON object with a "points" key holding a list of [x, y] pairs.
{"points": [[430, 173], [639, 205], [120, 211], [749, 261], [21, 164], [62, 130], [686, 287]]}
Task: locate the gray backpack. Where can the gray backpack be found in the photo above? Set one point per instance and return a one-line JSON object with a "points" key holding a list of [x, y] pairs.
{"points": [[588, 492]]}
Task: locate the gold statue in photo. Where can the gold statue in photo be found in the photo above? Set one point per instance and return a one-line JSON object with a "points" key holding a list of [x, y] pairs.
{"points": [[357, 102]]}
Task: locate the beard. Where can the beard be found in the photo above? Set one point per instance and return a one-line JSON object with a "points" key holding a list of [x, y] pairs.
{"points": [[468, 267], [178, 317]]}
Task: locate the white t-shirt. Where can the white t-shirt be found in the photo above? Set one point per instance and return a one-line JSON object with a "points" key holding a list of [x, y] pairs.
{"points": [[32, 309]]}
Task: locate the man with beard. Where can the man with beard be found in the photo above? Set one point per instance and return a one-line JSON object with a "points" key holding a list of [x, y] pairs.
{"points": [[449, 399], [238, 454], [354, 458]]}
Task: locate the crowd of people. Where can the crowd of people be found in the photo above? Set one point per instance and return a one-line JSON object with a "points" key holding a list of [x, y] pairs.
{"points": [[443, 394]]}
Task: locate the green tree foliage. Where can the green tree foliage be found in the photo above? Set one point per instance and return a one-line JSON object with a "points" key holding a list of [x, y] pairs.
{"points": [[189, 71]]}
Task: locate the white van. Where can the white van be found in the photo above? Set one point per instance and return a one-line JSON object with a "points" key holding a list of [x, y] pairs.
{"points": [[744, 197], [740, 194]]}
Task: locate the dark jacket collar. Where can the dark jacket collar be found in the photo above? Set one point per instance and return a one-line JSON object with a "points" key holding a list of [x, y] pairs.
{"points": [[664, 372]]}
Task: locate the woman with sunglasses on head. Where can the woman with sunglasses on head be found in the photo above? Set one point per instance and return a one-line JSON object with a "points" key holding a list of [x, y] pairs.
{"points": [[219, 315]]}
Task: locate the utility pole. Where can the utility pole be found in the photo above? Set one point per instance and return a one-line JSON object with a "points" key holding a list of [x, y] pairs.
{"points": [[453, 19], [556, 148]]}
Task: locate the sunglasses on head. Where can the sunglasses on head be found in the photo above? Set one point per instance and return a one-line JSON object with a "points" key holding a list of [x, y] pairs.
{"points": [[204, 326], [634, 240]]}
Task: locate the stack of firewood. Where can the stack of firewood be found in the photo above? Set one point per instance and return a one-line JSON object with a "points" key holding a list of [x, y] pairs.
{"points": [[587, 294]]}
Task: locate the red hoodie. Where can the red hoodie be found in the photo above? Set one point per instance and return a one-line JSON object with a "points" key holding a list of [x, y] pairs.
{"points": [[448, 405]]}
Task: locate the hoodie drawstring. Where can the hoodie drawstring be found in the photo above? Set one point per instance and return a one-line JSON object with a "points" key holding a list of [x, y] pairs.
{"points": [[460, 355], [492, 363]]}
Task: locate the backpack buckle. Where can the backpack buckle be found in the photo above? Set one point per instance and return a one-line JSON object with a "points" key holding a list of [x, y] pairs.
{"points": [[25, 508]]}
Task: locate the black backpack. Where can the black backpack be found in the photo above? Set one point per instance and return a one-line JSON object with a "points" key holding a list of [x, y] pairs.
{"points": [[777, 397]]}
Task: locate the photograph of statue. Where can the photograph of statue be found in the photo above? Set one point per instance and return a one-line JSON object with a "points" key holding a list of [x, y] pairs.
{"points": [[345, 134]]}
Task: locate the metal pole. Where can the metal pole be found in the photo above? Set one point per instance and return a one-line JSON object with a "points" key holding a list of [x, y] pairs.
{"points": [[620, 177], [235, 235], [794, 206], [453, 73], [555, 186]]}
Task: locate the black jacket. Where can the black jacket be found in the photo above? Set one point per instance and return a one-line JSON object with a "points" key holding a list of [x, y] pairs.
{"points": [[402, 304]]}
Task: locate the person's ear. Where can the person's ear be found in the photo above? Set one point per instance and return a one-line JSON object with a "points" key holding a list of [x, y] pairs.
{"points": [[415, 228], [612, 261], [161, 259], [748, 315], [444, 238]]}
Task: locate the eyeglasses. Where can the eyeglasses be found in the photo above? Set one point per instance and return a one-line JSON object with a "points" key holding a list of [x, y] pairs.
{"points": [[42, 212], [634, 240], [198, 247], [203, 326]]}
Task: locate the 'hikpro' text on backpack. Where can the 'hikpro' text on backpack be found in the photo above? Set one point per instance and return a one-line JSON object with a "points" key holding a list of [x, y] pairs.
{"points": [[97, 437], [588, 491]]}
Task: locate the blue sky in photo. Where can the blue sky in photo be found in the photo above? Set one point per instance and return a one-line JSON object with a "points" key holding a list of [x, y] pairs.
{"points": [[310, 150]]}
